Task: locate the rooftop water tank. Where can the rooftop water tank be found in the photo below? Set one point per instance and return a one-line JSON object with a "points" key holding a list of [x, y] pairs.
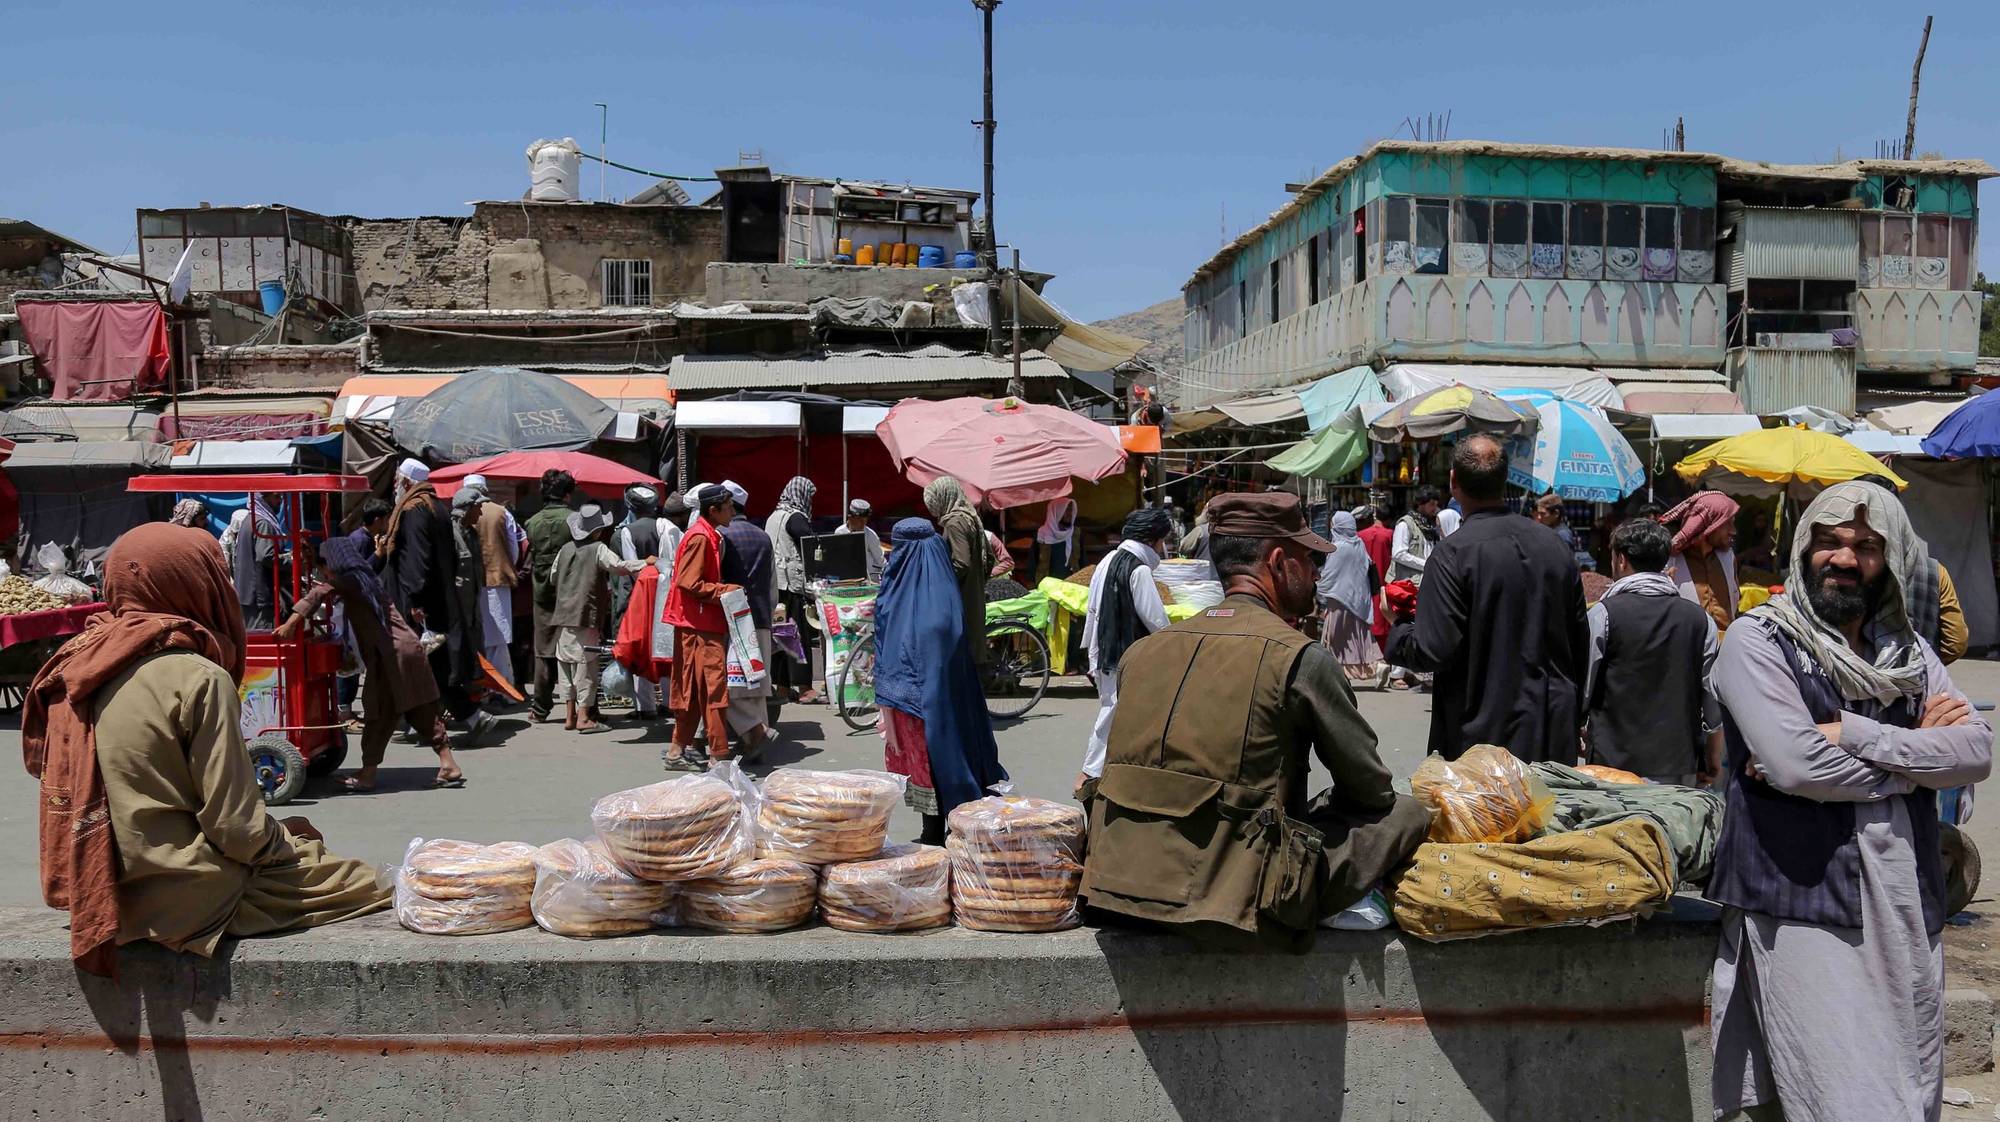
{"points": [[553, 170]]}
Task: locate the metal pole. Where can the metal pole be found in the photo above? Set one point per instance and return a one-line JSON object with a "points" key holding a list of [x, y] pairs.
{"points": [[603, 134], [1015, 387], [986, 125]]}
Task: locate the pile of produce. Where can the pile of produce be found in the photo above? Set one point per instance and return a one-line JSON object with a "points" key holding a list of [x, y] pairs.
{"points": [[19, 595]]}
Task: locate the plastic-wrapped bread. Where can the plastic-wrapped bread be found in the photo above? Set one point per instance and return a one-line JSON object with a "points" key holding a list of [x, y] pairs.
{"points": [[768, 894], [681, 829], [1486, 795], [1015, 864], [447, 887], [821, 817], [904, 888], [582, 893]]}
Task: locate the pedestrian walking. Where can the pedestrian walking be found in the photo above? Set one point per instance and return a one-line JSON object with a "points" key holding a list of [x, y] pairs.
{"points": [[701, 642], [1348, 583], [972, 559], [649, 530], [1124, 607], [548, 532], [420, 569], [1500, 619], [935, 728], [788, 526], [1055, 538], [500, 544], [1841, 724], [583, 572], [1650, 704], [747, 562]]}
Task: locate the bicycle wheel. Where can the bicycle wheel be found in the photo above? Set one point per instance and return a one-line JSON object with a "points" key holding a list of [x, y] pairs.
{"points": [[1016, 674], [854, 689]]}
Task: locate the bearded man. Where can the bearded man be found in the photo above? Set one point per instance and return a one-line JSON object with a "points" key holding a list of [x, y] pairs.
{"points": [[1841, 726]]}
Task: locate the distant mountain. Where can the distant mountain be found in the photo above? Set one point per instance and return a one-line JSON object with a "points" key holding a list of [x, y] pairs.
{"points": [[1160, 325]]}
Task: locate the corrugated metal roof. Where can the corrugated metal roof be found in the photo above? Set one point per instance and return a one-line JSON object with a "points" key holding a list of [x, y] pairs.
{"points": [[934, 363]]}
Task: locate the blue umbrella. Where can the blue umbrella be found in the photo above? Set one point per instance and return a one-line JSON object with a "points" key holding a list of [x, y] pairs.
{"points": [[1971, 430], [1574, 452]]}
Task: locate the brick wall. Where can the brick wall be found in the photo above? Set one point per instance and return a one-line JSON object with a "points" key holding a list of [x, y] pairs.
{"points": [[288, 367], [419, 262]]}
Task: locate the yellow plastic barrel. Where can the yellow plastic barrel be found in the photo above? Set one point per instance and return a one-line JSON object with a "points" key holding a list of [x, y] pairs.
{"points": [[866, 256]]}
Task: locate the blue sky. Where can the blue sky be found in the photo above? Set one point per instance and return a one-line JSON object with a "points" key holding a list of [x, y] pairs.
{"points": [[1128, 129]]}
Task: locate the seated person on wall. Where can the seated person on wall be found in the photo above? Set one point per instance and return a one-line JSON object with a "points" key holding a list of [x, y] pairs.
{"points": [[1201, 819], [152, 823]]}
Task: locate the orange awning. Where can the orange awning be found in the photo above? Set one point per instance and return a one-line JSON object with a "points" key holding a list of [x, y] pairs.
{"points": [[374, 396]]}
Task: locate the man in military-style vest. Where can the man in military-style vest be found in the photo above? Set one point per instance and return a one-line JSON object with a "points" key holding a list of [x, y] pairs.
{"points": [[1201, 818]]}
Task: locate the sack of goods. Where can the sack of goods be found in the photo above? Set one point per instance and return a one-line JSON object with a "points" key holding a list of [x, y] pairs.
{"points": [[447, 887], [1620, 869], [821, 817], [1486, 795], [682, 829], [1015, 864], [582, 893], [768, 894], [906, 888]]}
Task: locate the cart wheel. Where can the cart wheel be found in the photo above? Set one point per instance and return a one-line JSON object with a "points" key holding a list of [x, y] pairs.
{"points": [[11, 697], [279, 768], [329, 761]]}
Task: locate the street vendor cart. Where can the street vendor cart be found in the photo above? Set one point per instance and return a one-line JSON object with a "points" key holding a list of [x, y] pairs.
{"points": [[289, 711], [27, 639]]}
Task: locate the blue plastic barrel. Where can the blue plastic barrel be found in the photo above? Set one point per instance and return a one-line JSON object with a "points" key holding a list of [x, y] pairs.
{"points": [[930, 257], [965, 259], [273, 295]]}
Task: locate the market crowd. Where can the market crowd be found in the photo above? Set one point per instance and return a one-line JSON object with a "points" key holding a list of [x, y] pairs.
{"points": [[1821, 714]]}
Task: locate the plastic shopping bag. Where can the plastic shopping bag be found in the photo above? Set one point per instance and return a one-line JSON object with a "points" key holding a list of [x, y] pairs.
{"points": [[746, 666]]}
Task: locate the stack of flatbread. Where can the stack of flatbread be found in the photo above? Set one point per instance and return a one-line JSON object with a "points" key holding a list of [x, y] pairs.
{"points": [[768, 894], [582, 893], [682, 829], [820, 817], [1015, 864], [904, 888], [447, 887]]}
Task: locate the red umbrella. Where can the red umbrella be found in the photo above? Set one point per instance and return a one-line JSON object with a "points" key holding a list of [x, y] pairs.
{"points": [[595, 474], [1006, 452]]}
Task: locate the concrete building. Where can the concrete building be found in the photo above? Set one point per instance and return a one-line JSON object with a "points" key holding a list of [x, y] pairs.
{"points": [[236, 249], [1605, 258]]}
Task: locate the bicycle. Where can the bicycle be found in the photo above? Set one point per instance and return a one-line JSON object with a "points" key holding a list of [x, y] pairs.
{"points": [[1013, 681]]}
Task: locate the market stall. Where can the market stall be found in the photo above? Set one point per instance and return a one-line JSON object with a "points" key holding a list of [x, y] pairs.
{"points": [[77, 495]]}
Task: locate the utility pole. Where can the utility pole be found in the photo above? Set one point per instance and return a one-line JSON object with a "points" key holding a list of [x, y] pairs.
{"points": [[1909, 128], [1680, 134], [603, 133], [991, 258], [1015, 386]]}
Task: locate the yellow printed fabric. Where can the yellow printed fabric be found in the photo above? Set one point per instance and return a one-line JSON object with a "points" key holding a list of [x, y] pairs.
{"points": [[1621, 868]]}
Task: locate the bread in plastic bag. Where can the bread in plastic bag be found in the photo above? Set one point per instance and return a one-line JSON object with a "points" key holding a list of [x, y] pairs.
{"points": [[1016, 864], [57, 581], [1605, 774], [681, 829], [768, 894], [448, 887], [580, 892], [1486, 795], [821, 817], [905, 888]]}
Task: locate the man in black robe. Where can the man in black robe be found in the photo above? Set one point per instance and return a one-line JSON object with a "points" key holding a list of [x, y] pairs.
{"points": [[421, 575], [1500, 619]]}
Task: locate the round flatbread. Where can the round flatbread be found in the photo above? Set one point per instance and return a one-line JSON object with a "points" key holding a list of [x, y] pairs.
{"points": [[447, 869]]}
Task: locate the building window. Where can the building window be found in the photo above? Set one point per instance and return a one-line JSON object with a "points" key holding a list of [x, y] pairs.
{"points": [[1585, 256], [1312, 270], [627, 283], [1276, 273], [1472, 230], [1621, 242], [1396, 255], [1433, 234], [1510, 238], [1661, 240], [1697, 263], [1546, 259]]}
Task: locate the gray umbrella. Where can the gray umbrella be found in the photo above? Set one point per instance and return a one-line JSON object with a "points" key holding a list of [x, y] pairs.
{"points": [[499, 409]]}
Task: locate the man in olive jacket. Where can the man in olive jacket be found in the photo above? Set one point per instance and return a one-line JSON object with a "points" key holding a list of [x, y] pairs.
{"points": [[1201, 818]]}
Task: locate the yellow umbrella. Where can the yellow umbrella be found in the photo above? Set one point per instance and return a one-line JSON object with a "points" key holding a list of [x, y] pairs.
{"points": [[1769, 460]]}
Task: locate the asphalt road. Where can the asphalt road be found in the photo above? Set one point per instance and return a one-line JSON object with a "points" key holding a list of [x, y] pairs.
{"points": [[538, 782]]}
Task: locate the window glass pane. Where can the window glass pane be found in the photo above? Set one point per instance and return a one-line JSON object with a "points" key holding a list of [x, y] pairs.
{"points": [[1897, 236], [1548, 223], [1961, 253], [1475, 219], [1586, 223], [1697, 228], [160, 225], [1433, 230], [1659, 227], [264, 224], [1510, 223], [211, 224], [1621, 226], [1933, 236], [1396, 220]]}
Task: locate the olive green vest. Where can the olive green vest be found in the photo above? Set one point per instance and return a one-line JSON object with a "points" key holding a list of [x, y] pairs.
{"points": [[1190, 823]]}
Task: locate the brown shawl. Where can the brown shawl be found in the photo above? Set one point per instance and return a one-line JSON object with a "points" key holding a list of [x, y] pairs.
{"points": [[165, 588], [420, 493]]}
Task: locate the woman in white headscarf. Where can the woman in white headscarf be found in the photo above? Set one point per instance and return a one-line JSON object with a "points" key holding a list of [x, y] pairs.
{"points": [[1347, 584]]}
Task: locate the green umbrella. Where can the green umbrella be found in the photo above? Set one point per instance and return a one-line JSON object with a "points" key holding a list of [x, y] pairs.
{"points": [[1331, 453]]}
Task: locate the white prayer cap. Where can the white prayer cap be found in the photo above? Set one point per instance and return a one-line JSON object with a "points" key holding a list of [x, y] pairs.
{"points": [[414, 471], [479, 481], [736, 492]]}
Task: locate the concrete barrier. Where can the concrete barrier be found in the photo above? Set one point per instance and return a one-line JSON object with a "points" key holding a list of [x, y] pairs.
{"points": [[366, 1021]]}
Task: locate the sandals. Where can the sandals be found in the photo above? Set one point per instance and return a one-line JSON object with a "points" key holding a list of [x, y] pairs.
{"points": [[451, 783], [352, 786], [683, 762]]}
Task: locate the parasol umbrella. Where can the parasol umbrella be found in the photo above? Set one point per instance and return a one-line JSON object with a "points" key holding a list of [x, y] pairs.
{"points": [[595, 474], [1449, 409], [1331, 453], [1767, 461], [1972, 429], [1575, 451], [1006, 452], [499, 409]]}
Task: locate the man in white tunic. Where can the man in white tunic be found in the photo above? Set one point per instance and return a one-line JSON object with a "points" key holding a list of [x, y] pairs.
{"points": [[1124, 607], [1841, 727]]}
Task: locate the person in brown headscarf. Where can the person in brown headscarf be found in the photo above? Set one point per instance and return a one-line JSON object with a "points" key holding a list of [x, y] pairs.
{"points": [[152, 823], [1704, 560]]}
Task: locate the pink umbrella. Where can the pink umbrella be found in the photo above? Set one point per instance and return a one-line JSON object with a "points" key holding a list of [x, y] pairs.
{"points": [[1006, 452], [595, 474]]}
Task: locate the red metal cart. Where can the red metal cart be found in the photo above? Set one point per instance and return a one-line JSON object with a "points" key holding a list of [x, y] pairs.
{"points": [[289, 713]]}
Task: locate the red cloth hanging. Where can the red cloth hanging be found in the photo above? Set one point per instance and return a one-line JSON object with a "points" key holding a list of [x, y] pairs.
{"points": [[99, 350]]}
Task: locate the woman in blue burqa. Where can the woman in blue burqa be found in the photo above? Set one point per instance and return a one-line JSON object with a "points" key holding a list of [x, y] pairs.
{"points": [[935, 730]]}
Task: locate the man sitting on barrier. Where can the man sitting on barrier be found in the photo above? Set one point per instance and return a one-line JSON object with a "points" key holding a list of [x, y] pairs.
{"points": [[1201, 818]]}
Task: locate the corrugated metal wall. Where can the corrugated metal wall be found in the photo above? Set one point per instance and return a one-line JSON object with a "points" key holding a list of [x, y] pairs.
{"points": [[1790, 244], [1768, 380]]}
